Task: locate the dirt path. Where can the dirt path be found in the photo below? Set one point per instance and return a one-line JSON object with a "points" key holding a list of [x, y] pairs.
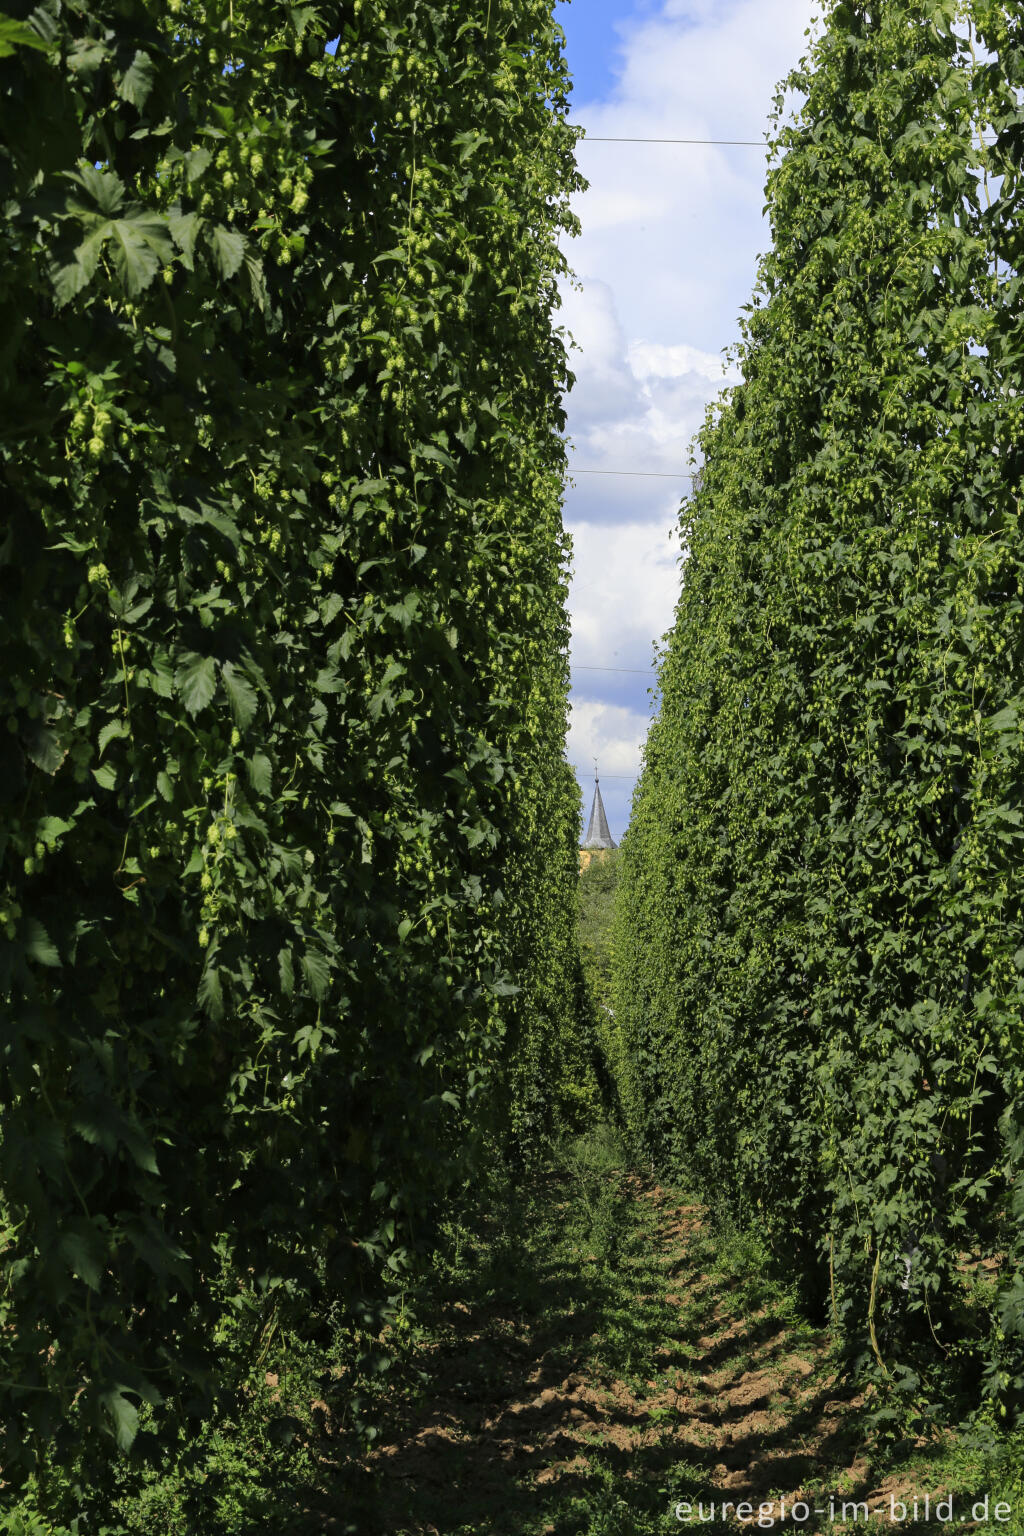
{"points": [[611, 1364]]}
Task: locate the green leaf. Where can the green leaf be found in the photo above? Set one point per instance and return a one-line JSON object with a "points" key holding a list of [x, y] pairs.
{"points": [[257, 281], [196, 162], [68, 281], [51, 827], [184, 229], [505, 989], [140, 240], [328, 681], [286, 972], [38, 944], [15, 34], [105, 188], [161, 674], [124, 1416], [141, 246], [241, 695], [154, 1248], [86, 57], [1005, 722], [141, 1148], [84, 1252], [260, 773], [317, 970], [468, 142], [210, 992], [157, 1251], [228, 247], [429, 451], [196, 681], [43, 747], [106, 777], [112, 729], [137, 81]]}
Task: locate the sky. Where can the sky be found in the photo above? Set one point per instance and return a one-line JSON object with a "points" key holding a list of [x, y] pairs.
{"points": [[667, 258]]}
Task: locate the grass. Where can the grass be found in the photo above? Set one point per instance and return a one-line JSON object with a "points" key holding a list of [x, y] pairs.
{"points": [[593, 1353], [584, 1354]]}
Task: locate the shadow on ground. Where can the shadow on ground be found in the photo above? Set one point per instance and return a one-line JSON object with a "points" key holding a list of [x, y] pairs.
{"points": [[589, 1365]]}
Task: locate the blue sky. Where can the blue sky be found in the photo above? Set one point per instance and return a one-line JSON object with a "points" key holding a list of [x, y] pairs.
{"points": [[668, 255], [593, 31]]}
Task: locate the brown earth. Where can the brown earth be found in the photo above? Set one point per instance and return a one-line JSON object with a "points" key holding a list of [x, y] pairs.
{"points": [[505, 1436]]}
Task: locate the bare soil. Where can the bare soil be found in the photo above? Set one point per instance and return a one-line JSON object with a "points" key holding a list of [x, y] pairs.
{"points": [[527, 1421]]}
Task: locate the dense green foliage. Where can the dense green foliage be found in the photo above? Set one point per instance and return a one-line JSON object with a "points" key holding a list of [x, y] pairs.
{"points": [[820, 1002], [599, 878], [599, 873], [287, 843]]}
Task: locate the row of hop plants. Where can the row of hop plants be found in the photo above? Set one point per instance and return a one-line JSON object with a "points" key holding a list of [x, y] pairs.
{"points": [[820, 1011], [287, 841]]}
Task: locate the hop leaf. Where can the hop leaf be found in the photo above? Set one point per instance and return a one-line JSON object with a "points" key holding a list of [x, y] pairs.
{"points": [[241, 694], [228, 249], [15, 34], [196, 681], [38, 944], [137, 81], [140, 240]]}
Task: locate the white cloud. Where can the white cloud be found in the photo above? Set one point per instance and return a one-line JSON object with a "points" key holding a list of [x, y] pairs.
{"points": [[609, 732], [635, 406], [675, 229], [667, 258], [624, 589], [649, 359]]}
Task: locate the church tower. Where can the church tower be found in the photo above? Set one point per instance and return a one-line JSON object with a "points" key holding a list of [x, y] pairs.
{"points": [[598, 835]]}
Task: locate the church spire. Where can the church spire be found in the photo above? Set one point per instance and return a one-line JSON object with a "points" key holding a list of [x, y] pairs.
{"points": [[598, 835]]}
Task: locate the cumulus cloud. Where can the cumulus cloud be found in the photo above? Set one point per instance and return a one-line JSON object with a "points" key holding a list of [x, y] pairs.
{"points": [[636, 406], [657, 360], [624, 588], [667, 258], [683, 223], [609, 733]]}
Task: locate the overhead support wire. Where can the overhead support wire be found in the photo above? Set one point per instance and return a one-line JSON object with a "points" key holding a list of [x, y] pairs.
{"points": [[743, 143], [600, 139], [635, 474], [633, 671]]}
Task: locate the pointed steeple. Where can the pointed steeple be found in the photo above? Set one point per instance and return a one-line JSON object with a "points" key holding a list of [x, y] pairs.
{"points": [[598, 835]]}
